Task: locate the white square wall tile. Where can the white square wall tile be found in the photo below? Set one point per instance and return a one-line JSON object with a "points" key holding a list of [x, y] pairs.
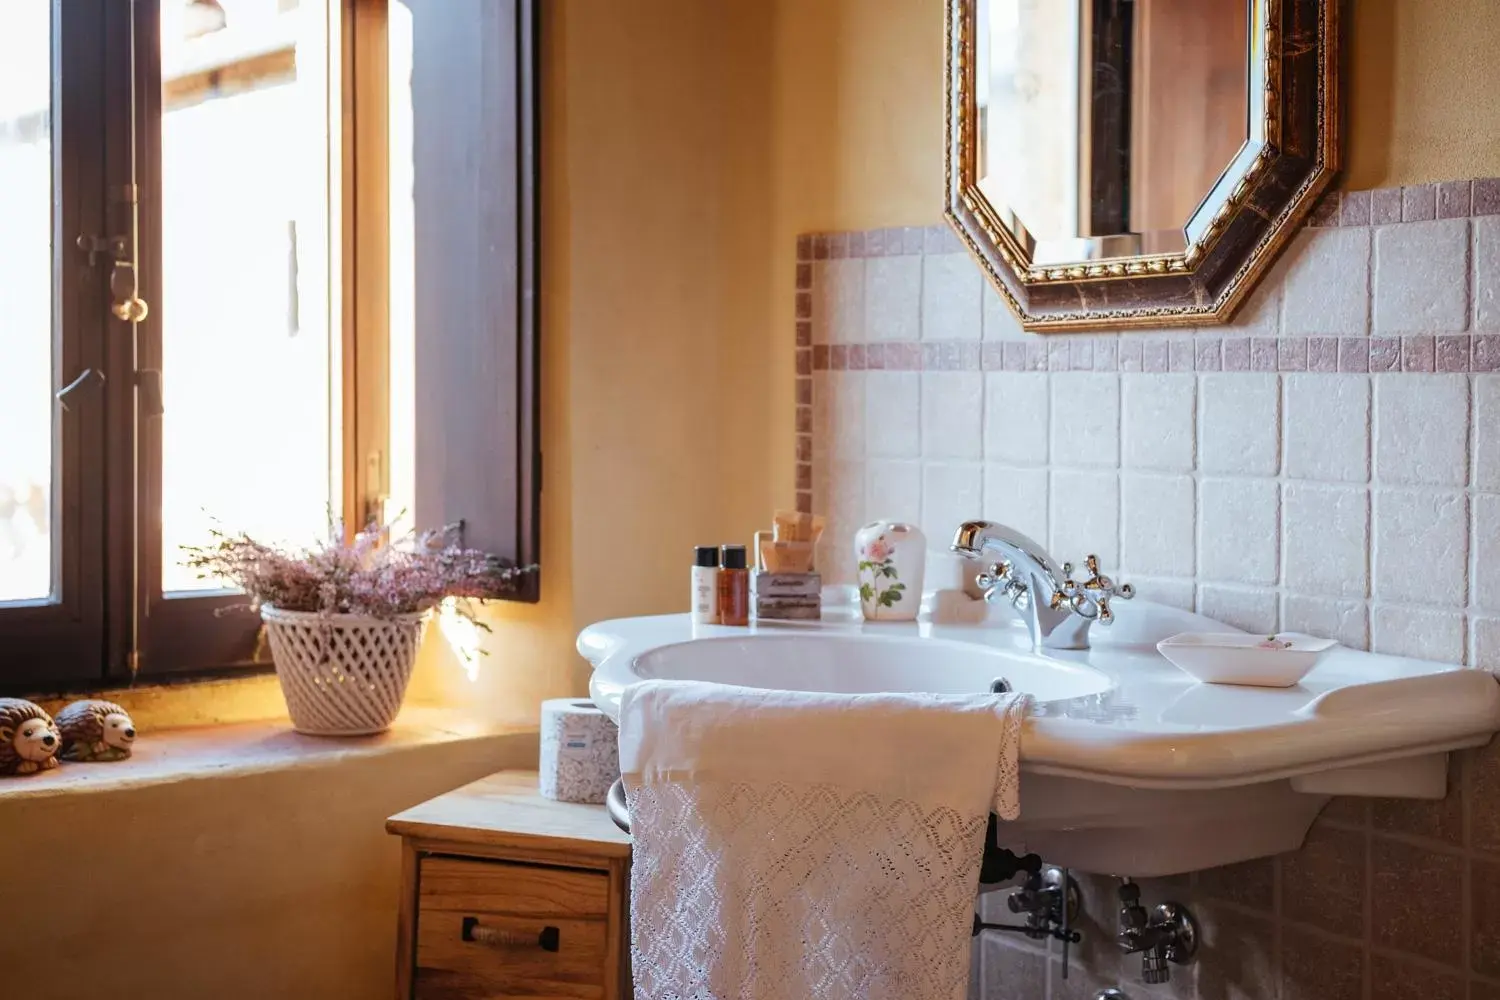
{"points": [[893, 415], [999, 322], [1260, 316], [1016, 417], [893, 490], [838, 294], [1017, 498], [952, 415], [1487, 551], [845, 509], [1157, 533], [1422, 429], [1421, 551], [1487, 274], [1422, 278], [846, 413], [952, 493], [1084, 517], [1346, 621], [1486, 432], [1239, 530], [1248, 608], [1327, 289], [1240, 424], [822, 419], [951, 288], [1174, 593], [1325, 538], [1328, 428], [1085, 419], [1418, 632], [1484, 644], [1158, 422], [893, 298]]}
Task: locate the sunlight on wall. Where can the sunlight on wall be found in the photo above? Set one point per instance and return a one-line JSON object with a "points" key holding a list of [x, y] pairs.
{"points": [[464, 637]]}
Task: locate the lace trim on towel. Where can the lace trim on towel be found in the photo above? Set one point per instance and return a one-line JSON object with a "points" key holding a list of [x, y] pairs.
{"points": [[776, 891]]}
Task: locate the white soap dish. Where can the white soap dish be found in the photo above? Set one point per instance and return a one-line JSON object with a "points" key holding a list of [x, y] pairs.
{"points": [[1255, 660]]}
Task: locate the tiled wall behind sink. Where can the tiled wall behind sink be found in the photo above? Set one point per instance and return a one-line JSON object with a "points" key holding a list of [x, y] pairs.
{"points": [[1328, 462]]}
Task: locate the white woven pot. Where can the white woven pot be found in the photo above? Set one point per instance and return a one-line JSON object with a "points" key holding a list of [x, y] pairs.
{"points": [[342, 675]]}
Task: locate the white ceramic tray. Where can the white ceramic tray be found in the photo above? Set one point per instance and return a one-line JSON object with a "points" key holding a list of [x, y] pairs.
{"points": [[1234, 658]]}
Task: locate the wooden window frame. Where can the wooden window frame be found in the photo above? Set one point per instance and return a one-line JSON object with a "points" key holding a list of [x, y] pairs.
{"points": [[112, 624]]}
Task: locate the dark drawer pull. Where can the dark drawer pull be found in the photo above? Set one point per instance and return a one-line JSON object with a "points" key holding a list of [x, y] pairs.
{"points": [[550, 939]]}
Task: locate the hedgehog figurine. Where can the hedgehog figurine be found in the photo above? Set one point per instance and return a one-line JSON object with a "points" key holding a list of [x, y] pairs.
{"points": [[95, 730], [29, 741]]}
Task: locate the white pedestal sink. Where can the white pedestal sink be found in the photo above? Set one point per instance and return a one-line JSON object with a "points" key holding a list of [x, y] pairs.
{"points": [[1129, 765]]}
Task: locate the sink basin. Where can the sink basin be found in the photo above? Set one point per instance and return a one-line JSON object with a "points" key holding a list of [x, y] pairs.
{"points": [[1129, 765], [863, 664]]}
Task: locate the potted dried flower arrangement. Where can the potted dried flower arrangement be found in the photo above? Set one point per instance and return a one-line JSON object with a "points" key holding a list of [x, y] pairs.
{"points": [[344, 618]]}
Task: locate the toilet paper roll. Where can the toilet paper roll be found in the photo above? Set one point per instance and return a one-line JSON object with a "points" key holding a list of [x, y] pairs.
{"points": [[580, 751]]}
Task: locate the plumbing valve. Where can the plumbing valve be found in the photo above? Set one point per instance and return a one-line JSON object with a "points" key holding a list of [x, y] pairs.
{"points": [[1167, 934]]}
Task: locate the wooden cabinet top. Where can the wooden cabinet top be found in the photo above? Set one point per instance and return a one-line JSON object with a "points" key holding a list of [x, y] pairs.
{"points": [[505, 810]]}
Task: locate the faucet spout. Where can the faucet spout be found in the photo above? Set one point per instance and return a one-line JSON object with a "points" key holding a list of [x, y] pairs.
{"points": [[1057, 609]]}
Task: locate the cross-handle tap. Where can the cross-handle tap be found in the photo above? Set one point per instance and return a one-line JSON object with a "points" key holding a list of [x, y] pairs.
{"points": [[1058, 609], [1091, 597]]}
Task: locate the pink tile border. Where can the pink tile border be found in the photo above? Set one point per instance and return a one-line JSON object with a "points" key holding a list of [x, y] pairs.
{"points": [[1378, 207], [1161, 354], [1385, 206], [1322, 354], [1486, 199]]}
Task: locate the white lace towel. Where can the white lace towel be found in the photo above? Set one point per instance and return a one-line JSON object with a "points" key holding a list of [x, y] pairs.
{"points": [[796, 846]]}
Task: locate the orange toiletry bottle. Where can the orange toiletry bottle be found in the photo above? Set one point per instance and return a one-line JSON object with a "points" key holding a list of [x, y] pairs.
{"points": [[734, 587]]}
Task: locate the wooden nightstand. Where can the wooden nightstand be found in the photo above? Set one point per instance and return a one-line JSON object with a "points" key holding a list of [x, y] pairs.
{"points": [[507, 894]]}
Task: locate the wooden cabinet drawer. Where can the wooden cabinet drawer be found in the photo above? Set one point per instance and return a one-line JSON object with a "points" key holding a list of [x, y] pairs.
{"points": [[483, 931]]}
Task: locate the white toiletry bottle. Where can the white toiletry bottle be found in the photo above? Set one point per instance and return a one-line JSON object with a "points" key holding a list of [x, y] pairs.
{"points": [[705, 607]]}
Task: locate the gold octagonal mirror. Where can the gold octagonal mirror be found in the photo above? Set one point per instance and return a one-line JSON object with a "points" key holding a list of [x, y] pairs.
{"points": [[1117, 163]]}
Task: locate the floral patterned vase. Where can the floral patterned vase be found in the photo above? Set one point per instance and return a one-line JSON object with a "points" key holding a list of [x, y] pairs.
{"points": [[892, 557]]}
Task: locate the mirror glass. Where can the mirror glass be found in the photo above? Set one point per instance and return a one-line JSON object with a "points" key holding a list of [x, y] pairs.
{"points": [[1114, 128]]}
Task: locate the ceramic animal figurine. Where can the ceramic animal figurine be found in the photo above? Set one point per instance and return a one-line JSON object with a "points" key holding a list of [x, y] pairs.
{"points": [[892, 558], [95, 730], [28, 737]]}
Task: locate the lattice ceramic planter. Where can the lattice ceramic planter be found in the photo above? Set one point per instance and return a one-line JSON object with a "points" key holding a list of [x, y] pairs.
{"points": [[342, 675]]}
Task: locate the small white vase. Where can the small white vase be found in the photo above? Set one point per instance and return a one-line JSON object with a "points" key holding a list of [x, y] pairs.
{"points": [[891, 558]]}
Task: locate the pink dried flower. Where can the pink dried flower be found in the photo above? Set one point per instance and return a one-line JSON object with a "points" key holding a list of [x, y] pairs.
{"points": [[363, 576]]}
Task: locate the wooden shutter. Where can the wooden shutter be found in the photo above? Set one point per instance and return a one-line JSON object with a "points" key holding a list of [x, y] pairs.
{"points": [[474, 118]]}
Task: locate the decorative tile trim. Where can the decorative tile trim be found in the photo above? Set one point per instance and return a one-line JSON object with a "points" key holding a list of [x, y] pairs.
{"points": [[1459, 353], [1337, 209]]}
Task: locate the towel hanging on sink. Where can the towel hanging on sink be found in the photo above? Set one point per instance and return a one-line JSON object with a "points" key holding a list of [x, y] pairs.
{"points": [[808, 845]]}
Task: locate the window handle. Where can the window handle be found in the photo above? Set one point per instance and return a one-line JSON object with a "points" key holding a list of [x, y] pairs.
{"points": [[148, 387], [124, 286], [87, 379], [125, 301]]}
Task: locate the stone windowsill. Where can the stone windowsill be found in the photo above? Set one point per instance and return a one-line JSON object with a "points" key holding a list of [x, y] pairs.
{"points": [[191, 753]]}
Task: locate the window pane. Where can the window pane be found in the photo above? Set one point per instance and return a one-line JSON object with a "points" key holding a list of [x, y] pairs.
{"points": [[247, 350], [26, 459]]}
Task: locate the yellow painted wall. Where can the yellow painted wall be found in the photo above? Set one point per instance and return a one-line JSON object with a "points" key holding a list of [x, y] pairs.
{"points": [[657, 244], [860, 108], [1422, 91], [250, 886]]}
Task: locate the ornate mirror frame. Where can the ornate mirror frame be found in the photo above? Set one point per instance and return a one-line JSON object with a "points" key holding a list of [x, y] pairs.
{"points": [[1261, 200]]}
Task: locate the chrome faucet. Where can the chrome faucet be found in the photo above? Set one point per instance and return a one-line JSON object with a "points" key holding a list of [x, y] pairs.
{"points": [[1058, 610]]}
